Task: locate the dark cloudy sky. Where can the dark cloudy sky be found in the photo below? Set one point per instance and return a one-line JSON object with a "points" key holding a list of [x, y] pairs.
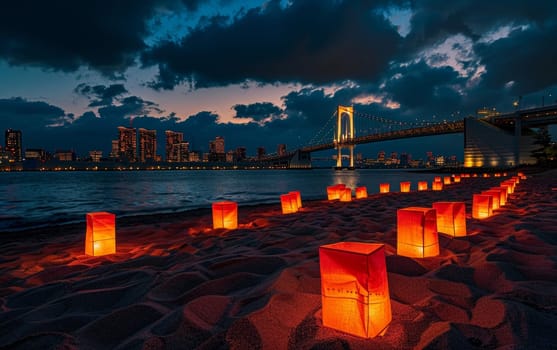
{"points": [[261, 73]]}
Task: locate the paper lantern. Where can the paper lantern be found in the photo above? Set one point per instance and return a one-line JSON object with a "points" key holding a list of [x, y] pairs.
{"points": [[346, 195], [437, 186], [225, 215], [510, 186], [298, 198], [100, 237], [504, 174], [288, 203], [422, 186], [482, 206], [485, 175], [437, 179], [502, 195], [405, 186], [361, 192], [417, 232], [474, 175], [447, 180], [451, 218], [497, 175], [354, 288], [496, 200], [384, 188], [333, 192], [456, 178]]}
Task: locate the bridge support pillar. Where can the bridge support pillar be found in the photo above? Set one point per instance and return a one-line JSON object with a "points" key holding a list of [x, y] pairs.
{"points": [[345, 135]]}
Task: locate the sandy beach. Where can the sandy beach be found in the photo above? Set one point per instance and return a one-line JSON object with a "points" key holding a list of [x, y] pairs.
{"points": [[175, 283]]}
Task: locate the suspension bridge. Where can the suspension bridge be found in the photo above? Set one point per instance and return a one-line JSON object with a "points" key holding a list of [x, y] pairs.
{"points": [[482, 135]]}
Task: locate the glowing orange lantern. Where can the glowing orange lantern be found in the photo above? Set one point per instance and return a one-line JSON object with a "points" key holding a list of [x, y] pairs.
{"points": [[474, 175], [451, 218], [437, 179], [447, 180], [422, 186], [482, 206], [496, 200], [225, 215], [333, 192], [100, 237], [504, 174], [437, 186], [384, 188], [417, 232], [361, 192], [405, 186], [288, 203], [298, 198], [497, 175], [354, 288], [510, 186], [456, 178], [502, 194], [485, 175], [345, 195]]}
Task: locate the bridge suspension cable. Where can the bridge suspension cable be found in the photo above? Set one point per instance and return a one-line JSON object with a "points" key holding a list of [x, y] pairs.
{"points": [[322, 135]]}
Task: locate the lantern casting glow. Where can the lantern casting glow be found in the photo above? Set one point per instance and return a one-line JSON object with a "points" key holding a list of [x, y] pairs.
{"points": [[502, 195], [225, 215], [354, 288], [422, 186], [333, 192], [447, 180], [100, 237], [437, 186], [417, 232], [298, 198], [496, 200], [346, 195], [384, 188], [482, 206], [288, 203], [405, 186], [361, 192], [451, 218]]}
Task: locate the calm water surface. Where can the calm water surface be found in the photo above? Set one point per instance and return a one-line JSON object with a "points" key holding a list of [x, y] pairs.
{"points": [[33, 199]]}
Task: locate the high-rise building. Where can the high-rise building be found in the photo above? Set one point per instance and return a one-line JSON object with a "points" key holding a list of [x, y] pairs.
{"points": [[115, 150], [127, 144], [281, 149], [216, 149], [172, 146], [147, 145], [260, 152], [241, 154], [13, 144], [95, 156]]}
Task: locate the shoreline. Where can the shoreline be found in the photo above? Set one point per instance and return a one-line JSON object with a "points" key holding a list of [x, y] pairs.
{"points": [[175, 282]]}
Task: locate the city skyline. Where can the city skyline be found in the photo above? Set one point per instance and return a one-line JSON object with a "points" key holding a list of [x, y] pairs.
{"points": [[274, 71]]}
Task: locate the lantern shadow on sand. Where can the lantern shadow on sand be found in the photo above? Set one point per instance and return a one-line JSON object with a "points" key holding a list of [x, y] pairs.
{"points": [[100, 238], [354, 288], [417, 232], [225, 215], [451, 218]]}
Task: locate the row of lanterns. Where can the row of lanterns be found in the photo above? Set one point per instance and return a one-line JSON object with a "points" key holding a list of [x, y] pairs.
{"points": [[354, 285]]}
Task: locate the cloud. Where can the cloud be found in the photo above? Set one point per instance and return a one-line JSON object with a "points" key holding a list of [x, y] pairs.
{"points": [[260, 112], [313, 41], [100, 95], [65, 35]]}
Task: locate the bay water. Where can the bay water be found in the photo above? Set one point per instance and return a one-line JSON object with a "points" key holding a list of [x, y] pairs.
{"points": [[37, 199]]}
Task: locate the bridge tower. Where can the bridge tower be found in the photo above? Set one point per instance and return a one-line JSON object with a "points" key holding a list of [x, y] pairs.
{"points": [[345, 134]]}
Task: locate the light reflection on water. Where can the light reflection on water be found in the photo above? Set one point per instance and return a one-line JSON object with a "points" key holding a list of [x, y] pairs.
{"points": [[30, 199]]}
